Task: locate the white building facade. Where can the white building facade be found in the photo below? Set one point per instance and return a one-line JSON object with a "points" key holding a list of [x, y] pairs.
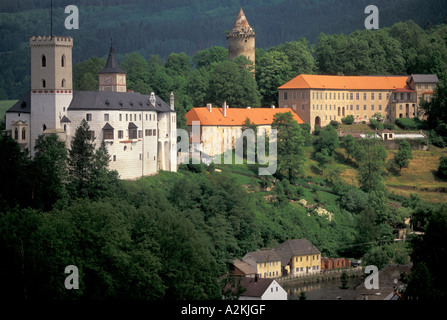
{"points": [[138, 130]]}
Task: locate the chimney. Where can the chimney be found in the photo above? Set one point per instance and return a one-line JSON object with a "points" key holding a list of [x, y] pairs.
{"points": [[152, 99], [209, 106], [224, 109], [171, 101]]}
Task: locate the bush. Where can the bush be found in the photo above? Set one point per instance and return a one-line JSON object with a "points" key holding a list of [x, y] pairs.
{"points": [[348, 119], [376, 124], [442, 169], [334, 123], [408, 124], [389, 126]]}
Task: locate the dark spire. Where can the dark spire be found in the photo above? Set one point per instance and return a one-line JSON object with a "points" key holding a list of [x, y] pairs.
{"points": [[112, 65]]}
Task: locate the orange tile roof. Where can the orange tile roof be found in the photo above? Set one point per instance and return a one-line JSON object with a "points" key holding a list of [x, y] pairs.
{"points": [[236, 116], [308, 81]]}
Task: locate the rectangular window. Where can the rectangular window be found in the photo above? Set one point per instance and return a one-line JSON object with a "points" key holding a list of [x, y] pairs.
{"points": [[388, 96], [108, 134], [121, 117], [106, 117], [294, 95], [364, 96], [114, 158], [285, 95], [127, 117], [88, 117], [357, 96], [302, 107], [351, 96], [372, 107], [380, 95], [380, 107], [364, 107], [147, 132], [357, 107], [120, 134], [372, 96], [303, 95]]}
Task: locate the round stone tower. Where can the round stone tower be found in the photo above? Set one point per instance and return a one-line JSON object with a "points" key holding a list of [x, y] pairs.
{"points": [[241, 39]]}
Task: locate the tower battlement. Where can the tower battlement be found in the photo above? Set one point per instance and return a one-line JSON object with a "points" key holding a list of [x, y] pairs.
{"points": [[51, 40], [241, 39]]}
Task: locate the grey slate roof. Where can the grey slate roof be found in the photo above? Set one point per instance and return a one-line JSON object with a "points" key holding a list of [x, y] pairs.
{"points": [[22, 106], [430, 78], [126, 101], [295, 247], [112, 65], [263, 255], [255, 287]]}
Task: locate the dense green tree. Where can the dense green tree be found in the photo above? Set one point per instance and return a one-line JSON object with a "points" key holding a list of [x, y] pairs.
{"points": [[273, 69], [138, 76], [327, 140], [403, 155], [299, 55], [290, 146], [428, 256], [208, 57], [49, 172], [234, 84], [85, 74]]}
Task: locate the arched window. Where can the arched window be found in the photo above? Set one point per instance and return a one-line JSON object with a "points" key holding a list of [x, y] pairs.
{"points": [[44, 127], [44, 61], [63, 61], [44, 83], [16, 134], [23, 133], [63, 83]]}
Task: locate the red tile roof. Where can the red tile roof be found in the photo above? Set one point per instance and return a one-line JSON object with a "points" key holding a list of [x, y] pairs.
{"points": [[236, 116], [308, 81]]}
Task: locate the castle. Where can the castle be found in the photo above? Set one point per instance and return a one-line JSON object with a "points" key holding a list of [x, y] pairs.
{"points": [[241, 39], [138, 130]]}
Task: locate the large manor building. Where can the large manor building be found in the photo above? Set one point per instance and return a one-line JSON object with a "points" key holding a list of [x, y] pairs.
{"points": [[318, 99], [138, 130]]}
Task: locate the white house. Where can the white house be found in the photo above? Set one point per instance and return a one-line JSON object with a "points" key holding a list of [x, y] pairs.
{"points": [[138, 130], [261, 289]]}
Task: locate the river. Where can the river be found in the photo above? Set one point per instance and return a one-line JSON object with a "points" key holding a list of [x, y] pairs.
{"points": [[325, 290]]}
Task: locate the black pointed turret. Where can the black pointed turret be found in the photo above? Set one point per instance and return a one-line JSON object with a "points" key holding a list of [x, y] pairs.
{"points": [[112, 65]]}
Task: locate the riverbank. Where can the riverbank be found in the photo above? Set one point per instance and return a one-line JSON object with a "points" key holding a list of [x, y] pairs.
{"points": [[323, 286]]}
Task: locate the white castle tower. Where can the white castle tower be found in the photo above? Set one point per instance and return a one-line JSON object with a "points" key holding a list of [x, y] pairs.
{"points": [[51, 85]]}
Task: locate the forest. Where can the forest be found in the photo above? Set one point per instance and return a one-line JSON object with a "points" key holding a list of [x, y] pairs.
{"points": [[173, 235], [163, 27]]}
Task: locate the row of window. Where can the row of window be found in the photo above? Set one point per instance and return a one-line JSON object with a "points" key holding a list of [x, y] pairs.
{"points": [[44, 83], [44, 61], [108, 134], [350, 96], [140, 155], [271, 264], [16, 134], [314, 257], [301, 269], [128, 116]]}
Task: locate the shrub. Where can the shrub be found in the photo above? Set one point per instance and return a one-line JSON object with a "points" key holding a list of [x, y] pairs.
{"points": [[376, 124], [407, 124], [348, 119], [389, 126], [442, 169]]}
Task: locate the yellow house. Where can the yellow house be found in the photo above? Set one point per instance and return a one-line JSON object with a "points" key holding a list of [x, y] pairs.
{"points": [[267, 263], [299, 257]]}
